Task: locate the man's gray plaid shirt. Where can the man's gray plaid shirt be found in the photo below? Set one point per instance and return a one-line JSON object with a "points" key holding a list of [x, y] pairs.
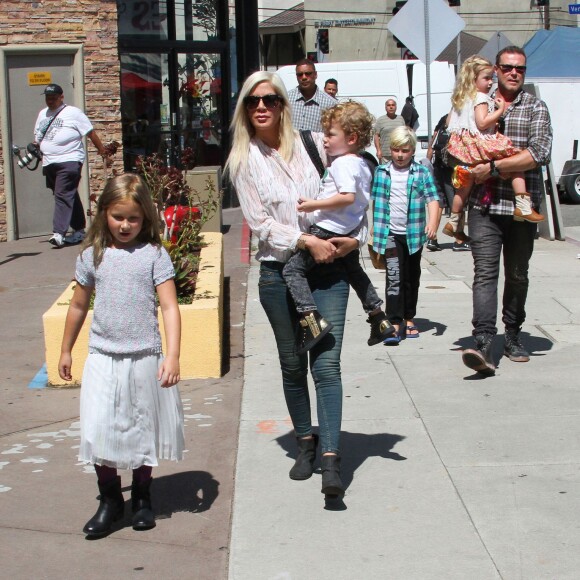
{"points": [[306, 113]]}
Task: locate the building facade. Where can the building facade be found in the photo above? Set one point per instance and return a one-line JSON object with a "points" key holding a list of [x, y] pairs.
{"points": [[156, 77], [358, 31]]}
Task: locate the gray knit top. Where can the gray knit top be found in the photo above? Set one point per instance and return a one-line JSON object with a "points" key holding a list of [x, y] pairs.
{"points": [[125, 311]]}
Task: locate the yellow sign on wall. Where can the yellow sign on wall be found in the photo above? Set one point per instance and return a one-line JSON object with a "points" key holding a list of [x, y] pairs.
{"points": [[39, 78]]}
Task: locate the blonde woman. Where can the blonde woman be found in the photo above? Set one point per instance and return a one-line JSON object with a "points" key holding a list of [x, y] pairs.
{"points": [[271, 171]]}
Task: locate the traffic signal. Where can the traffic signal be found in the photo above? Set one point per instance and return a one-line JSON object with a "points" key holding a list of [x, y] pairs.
{"points": [[398, 5], [543, 2], [323, 43], [454, 2]]}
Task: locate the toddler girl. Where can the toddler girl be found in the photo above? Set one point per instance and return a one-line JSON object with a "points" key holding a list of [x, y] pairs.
{"points": [[131, 412], [474, 140]]}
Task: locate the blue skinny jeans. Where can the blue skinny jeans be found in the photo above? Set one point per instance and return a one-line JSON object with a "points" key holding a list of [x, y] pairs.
{"points": [[330, 290]]}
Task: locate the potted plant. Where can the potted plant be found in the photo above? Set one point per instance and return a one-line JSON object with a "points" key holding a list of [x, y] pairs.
{"points": [[182, 215]]}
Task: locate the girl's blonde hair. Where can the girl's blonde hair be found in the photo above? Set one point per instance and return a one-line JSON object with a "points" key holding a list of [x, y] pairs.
{"points": [[242, 130], [353, 118], [125, 187], [465, 83], [403, 136]]}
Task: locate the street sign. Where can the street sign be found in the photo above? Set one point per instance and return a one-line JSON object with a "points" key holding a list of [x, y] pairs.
{"points": [[408, 25], [573, 8]]}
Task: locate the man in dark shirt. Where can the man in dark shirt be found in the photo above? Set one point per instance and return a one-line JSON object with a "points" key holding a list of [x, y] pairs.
{"points": [[409, 113]]}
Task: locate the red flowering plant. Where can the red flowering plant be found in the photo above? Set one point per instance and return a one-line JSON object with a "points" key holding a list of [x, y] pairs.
{"points": [[182, 214]]}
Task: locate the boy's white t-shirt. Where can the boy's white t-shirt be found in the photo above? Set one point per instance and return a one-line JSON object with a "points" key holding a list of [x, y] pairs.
{"points": [[63, 140], [346, 174], [399, 200]]}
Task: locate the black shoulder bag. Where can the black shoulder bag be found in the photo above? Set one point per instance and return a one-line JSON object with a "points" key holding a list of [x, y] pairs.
{"points": [[312, 151]]}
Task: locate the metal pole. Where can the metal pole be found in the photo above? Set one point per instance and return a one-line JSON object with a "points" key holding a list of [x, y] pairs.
{"points": [[427, 66]]}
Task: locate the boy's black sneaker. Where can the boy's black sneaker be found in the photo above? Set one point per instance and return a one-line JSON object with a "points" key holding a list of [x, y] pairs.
{"points": [[479, 358], [312, 328], [381, 328], [513, 348], [433, 246], [462, 247]]}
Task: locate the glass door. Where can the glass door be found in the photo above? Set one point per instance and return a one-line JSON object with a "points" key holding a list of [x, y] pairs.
{"points": [[200, 106], [170, 102]]}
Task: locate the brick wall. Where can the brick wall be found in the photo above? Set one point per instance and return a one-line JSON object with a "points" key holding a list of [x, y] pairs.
{"points": [[92, 23]]}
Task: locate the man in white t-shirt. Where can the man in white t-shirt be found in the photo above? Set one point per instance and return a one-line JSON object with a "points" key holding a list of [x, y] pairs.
{"points": [[59, 131]]}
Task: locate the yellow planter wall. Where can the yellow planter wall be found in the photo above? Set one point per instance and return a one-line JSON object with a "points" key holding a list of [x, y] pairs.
{"points": [[201, 324]]}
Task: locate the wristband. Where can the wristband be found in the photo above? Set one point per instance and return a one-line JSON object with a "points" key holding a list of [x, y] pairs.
{"points": [[301, 243]]}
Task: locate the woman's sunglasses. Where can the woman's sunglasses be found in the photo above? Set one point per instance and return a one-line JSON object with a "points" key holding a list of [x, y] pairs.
{"points": [[270, 101]]}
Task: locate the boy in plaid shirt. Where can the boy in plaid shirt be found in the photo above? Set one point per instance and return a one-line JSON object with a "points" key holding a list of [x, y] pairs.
{"points": [[401, 191]]}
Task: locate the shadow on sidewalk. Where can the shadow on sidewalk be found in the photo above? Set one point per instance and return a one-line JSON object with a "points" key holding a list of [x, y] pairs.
{"points": [[356, 449], [537, 346], [188, 491]]}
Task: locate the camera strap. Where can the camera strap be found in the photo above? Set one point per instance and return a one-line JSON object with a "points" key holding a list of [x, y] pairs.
{"points": [[51, 122]]}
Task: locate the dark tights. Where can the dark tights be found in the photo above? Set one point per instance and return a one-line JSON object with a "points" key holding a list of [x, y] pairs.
{"points": [[106, 474]]}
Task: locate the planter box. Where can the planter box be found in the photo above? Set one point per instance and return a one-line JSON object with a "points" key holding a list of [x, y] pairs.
{"points": [[201, 324]]}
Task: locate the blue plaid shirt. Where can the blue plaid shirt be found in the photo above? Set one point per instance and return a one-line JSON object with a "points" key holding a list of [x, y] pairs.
{"points": [[420, 191], [306, 113]]}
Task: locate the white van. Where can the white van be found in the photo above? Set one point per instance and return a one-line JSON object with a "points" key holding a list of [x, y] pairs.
{"points": [[373, 82]]}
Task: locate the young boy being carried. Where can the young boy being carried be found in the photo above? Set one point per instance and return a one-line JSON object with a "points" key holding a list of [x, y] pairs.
{"points": [[340, 208]]}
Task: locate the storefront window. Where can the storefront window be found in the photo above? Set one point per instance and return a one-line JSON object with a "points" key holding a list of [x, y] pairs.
{"points": [[196, 20], [200, 102], [172, 58], [142, 19]]}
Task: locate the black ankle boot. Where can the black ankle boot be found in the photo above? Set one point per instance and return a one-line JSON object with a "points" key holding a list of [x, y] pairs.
{"points": [[513, 347], [143, 516], [381, 328], [304, 466], [110, 509], [479, 358], [311, 330], [331, 483]]}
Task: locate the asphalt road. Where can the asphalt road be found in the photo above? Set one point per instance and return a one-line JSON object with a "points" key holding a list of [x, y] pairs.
{"points": [[570, 214]]}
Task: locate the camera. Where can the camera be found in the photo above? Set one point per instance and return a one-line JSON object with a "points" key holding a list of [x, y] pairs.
{"points": [[31, 154]]}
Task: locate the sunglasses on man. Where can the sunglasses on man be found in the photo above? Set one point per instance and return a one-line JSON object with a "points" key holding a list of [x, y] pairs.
{"points": [[507, 68], [271, 101]]}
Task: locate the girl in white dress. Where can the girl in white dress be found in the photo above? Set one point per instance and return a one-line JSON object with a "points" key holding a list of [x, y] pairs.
{"points": [[131, 411]]}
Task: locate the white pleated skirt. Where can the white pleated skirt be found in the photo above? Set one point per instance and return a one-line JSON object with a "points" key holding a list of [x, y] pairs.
{"points": [[127, 419]]}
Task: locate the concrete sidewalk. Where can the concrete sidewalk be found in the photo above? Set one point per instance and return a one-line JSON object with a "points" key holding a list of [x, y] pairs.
{"points": [[450, 475], [46, 496]]}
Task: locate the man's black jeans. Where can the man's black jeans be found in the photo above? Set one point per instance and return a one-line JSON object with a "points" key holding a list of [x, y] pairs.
{"points": [[492, 235]]}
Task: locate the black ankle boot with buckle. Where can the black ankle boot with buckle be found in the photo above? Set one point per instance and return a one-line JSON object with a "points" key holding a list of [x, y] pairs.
{"points": [[110, 510], [479, 358], [381, 328], [513, 348], [304, 466], [312, 328]]}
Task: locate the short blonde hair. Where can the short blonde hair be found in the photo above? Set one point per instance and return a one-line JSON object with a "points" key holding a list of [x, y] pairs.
{"points": [[353, 118], [242, 130], [403, 137]]}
